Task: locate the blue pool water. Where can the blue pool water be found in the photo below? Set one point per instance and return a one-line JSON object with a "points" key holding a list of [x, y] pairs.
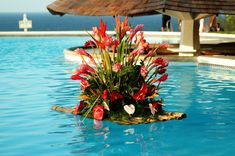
{"points": [[33, 78]]}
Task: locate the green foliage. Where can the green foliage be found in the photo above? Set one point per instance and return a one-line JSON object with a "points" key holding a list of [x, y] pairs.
{"points": [[228, 23]]}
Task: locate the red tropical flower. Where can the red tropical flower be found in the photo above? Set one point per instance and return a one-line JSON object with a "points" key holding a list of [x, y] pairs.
{"points": [[137, 51], [102, 29], [160, 62], [86, 67], [98, 112], [76, 77], [105, 94], [77, 108], [163, 78], [116, 67], [140, 95], [134, 31], [84, 84], [90, 43], [157, 105], [161, 70], [115, 96], [121, 28], [82, 52], [143, 71], [152, 90], [114, 45]]}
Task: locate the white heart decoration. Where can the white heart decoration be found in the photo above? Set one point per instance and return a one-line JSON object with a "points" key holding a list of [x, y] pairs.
{"points": [[130, 109], [152, 109]]}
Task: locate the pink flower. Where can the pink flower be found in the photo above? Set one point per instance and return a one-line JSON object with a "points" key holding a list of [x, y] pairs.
{"points": [[151, 53], [137, 51], [115, 96], [98, 112], [140, 95], [134, 31], [139, 37], [163, 46], [84, 84], [116, 67], [82, 52], [143, 71], [96, 33]]}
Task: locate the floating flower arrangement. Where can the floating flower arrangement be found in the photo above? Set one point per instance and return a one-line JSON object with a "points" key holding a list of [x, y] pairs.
{"points": [[124, 83]]}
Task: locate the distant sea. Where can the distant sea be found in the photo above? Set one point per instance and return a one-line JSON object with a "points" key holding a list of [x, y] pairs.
{"points": [[48, 22]]}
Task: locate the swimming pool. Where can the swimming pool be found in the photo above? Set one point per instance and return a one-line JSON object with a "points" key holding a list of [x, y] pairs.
{"points": [[33, 78]]}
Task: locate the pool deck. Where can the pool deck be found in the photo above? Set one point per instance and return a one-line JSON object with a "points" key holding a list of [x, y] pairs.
{"points": [[212, 45]]}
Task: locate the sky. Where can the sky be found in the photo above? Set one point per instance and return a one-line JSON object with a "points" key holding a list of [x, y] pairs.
{"points": [[24, 5]]}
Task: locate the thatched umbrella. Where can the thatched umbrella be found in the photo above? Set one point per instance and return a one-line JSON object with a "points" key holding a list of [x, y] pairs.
{"points": [[189, 11]]}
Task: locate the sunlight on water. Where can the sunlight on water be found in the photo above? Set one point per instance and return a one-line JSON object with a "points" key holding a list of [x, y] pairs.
{"points": [[33, 79]]}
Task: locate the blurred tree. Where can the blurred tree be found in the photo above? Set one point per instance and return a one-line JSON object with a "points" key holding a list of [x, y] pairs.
{"points": [[227, 22]]}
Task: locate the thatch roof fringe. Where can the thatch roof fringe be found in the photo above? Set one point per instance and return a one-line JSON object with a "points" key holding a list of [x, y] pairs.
{"points": [[139, 7]]}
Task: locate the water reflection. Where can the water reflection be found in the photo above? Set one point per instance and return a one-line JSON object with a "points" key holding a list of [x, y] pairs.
{"points": [[106, 138]]}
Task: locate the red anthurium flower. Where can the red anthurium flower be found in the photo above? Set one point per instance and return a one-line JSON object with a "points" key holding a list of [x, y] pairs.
{"points": [[90, 43], [105, 94], [157, 105], [140, 95], [115, 96], [134, 31], [78, 108], [84, 84], [116, 67], [98, 112], [163, 78], [86, 67], [143, 71]]}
